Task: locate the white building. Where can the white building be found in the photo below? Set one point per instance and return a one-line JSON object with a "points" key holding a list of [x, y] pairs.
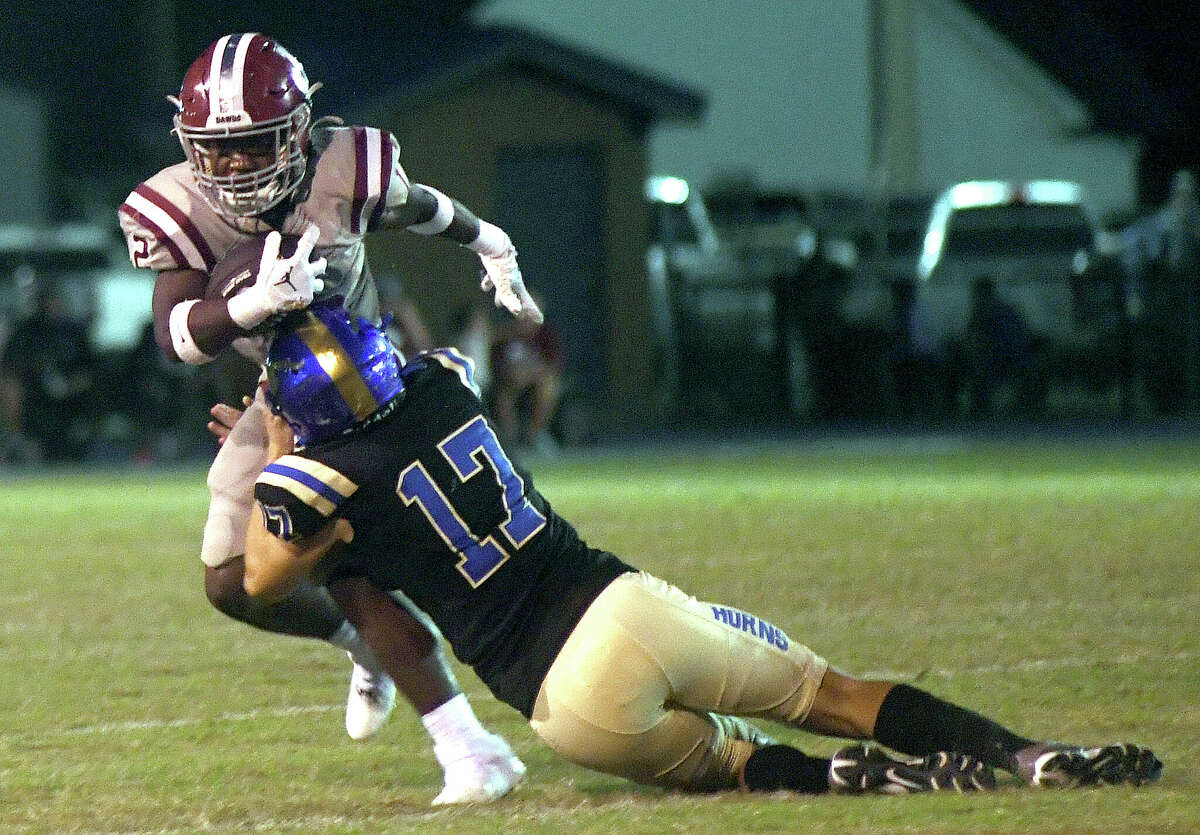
{"points": [[790, 93]]}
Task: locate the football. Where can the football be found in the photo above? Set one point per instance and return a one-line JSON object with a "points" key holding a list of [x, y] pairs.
{"points": [[238, 267]]}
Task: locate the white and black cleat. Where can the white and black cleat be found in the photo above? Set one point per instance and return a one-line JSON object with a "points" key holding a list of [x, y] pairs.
{"points": [[1065, 766], [370, 702], [863, 768]]}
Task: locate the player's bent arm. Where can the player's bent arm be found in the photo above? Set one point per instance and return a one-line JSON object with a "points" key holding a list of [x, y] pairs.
{"points": [[427, 211], [273, 566], [187, 327]]}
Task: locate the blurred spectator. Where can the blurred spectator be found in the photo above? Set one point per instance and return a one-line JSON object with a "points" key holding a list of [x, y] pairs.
{"points": [[156, 400], [1181, 227], [997, 350], [472, 325], [527, 370], [1181, 247], [1162, 258], [47, 377], [408, 328], [922, 382]]}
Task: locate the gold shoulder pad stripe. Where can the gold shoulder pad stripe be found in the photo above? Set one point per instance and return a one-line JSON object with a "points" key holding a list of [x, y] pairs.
{"points": [[320, 487]]}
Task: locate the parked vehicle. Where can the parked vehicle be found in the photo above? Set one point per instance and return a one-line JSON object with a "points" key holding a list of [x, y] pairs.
{"points": [[727, 337], [88, 262], [1042, 250], [887, 239], [852, 307]]}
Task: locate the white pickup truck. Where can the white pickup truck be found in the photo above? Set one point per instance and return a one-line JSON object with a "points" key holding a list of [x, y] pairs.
{"points": [[1044, 253], [725, 338]]}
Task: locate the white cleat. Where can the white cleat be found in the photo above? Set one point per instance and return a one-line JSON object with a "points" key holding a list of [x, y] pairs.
{"points": [[488, 772], [372, 697]]}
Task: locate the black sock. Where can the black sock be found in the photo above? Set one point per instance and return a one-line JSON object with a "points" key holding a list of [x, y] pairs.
{"points": [[912, 721], [775, 767]]}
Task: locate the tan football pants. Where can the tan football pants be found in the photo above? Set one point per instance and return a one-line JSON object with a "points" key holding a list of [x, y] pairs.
{"points": [[650, 682]]}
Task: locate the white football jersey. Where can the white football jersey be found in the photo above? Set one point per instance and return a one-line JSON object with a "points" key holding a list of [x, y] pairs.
{"points": [[354, 175]]}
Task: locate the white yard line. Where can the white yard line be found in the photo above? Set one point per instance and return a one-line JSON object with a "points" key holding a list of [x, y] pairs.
{"points": [[158, 724], [1031, 666], [1035, 665]]}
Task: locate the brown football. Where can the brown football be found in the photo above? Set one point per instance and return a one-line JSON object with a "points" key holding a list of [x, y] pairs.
{"points": [[238, 267]]}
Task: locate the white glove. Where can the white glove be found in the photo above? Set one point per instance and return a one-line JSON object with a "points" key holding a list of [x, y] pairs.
{"points": [[501, 273], [282, 284]]}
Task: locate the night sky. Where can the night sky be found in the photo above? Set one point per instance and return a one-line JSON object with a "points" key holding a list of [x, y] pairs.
{"points": [[105, 74]]}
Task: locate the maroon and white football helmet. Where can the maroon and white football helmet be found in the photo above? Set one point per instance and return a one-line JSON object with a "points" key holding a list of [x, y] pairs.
{"points": [[246, 89]]}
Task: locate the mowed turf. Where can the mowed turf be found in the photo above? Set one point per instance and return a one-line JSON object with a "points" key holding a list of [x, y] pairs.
{"points": [[1055, 587]]}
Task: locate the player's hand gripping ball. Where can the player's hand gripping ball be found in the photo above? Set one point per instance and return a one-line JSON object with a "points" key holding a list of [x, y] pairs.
{"points": [[267, 275], [238, 268]]}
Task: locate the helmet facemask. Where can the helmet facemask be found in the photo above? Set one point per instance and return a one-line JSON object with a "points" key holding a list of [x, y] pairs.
{"points": [[244, 194], [245, 93]]}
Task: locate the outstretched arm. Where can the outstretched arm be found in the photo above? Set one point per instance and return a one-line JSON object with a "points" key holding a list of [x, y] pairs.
{"points": [[274, 567], [426, 211]]}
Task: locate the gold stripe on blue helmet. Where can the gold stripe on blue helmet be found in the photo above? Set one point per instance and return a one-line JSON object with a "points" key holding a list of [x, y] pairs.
{"points": [[339, 365]]}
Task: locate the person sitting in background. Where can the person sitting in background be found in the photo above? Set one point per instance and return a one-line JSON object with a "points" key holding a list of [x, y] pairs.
{"points": [[47, 378], [472, 327], [527, 370]]}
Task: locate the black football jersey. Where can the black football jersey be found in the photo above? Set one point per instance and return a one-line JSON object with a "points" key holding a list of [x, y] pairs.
{"points": [[442, 514]]}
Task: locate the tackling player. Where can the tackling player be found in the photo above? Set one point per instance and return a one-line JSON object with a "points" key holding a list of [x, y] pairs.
{"points": [[257, 163], [615, 669]]}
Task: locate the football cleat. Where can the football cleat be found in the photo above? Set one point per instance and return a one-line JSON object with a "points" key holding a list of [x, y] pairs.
{"points": [[372, 697], [486, 772], [1066, 766], [865, 768]]}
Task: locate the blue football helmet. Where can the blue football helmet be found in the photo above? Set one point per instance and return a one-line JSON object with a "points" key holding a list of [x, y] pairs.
{"points": [[328, 371]]}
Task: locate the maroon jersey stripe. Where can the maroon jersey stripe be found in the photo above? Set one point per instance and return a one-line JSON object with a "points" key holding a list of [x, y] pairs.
{"points": [[385, 178], [360, 179], [185, 223], [162, 236]]}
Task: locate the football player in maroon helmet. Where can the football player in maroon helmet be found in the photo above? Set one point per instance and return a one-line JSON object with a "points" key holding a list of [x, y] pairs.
{"points": [[243, 119], [258, 163]]}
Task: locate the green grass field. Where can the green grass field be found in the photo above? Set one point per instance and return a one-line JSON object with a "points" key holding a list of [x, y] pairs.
{"points": [[1055, 587]]}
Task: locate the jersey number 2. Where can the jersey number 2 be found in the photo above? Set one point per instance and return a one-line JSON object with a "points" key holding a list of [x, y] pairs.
{"points": [[469, 449]]}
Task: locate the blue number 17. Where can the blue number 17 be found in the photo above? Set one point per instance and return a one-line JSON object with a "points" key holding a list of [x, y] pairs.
{"points": [[469, 449]]}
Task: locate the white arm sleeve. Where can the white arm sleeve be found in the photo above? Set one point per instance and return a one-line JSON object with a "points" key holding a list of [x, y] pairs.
{"points": [[491, 240], [441, 219], [181, 338]]}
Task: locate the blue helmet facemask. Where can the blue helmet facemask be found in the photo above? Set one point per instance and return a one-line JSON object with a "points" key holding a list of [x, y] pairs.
{"points": [[328, 371]]}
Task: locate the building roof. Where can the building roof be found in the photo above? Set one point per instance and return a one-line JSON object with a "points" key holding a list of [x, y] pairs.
{"points": [[436, 69], [1136, 66]]}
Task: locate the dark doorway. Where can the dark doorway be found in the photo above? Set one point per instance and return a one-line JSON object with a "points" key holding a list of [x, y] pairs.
{"points": [[548, 199]]}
